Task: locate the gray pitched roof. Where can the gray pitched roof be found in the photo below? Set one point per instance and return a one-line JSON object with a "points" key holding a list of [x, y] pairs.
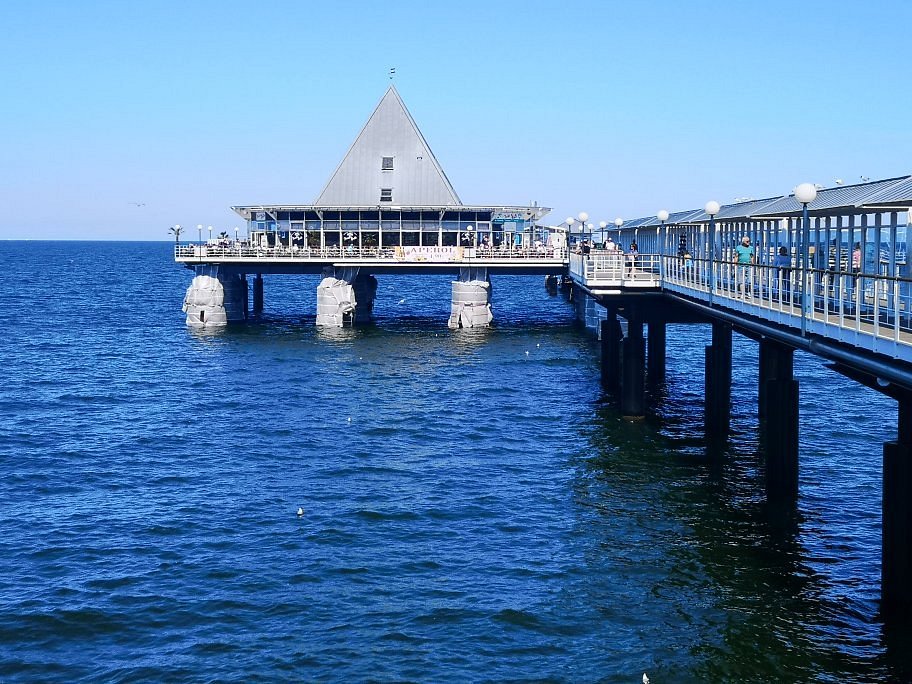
{"points": [[416, 178], [887, 193]]}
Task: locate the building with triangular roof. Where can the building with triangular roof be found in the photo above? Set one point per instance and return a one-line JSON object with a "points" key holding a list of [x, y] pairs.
{"points": [[389, 191], [387, 208]]}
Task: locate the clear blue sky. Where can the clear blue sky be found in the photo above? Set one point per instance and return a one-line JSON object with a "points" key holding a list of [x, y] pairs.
{"points": [[616, 108]]}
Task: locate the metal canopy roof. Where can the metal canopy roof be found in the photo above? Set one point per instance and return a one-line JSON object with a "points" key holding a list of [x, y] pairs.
{"points": [[841, 197], [898, 193], [888, 194], [527, 213]]}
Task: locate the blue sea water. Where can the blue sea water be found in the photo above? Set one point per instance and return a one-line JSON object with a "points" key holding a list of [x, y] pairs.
{"points": [[475, 507]]}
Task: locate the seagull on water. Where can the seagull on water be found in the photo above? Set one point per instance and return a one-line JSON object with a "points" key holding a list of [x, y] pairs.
{"points": [[402, 301], [645, 679], [300, 512]]}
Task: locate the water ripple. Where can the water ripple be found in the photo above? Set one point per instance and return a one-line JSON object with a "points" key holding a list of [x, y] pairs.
{"points": [[475, 508]]}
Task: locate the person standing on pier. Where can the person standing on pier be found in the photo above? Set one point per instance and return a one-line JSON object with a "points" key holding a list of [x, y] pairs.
{"points": [[783, 264], [744, 257], [632, 258], [856, 259]]}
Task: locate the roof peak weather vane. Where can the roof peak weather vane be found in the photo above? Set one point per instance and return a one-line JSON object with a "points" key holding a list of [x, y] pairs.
{"points": [[392, 73]]}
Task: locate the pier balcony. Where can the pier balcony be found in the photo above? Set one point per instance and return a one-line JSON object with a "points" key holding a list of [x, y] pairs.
{"points": [[603, 271], [283, 259]]}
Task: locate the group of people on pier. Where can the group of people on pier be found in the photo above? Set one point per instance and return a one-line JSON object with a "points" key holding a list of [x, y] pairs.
{"points": [[614, 249]]}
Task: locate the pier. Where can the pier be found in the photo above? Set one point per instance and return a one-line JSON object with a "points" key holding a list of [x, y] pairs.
{"points": [[821, 270], [388, 208], [828, 275]]}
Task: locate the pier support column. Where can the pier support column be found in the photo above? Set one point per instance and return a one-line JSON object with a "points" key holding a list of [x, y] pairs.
{"points": [[717, 399], [471, 300], [258, 294], [896, 552], [365, 287], [633, 369], [611, 336], [655, 356], [214, 298], [345, 297], [246, 295], [778, 406]]}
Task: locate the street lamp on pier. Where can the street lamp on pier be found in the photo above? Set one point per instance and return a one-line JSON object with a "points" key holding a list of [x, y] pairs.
{"points": [[805, 194], [662, 215], [210, 233], [469, 235], [712, 208], [582, 217]]}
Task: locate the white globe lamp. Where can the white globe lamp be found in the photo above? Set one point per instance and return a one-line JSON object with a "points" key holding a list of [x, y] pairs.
{"points": [[806, 193]]}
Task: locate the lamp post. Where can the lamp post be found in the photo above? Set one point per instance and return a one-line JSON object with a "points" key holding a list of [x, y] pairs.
{"points": [[199, 230], [712, 208], [469, 235], [663, 216], [602, 226], [210, 233], [805, 194], [582, 217]]}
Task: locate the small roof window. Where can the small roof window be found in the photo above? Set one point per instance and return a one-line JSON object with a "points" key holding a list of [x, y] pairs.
{"points": [[386, 194], [387, 164]]}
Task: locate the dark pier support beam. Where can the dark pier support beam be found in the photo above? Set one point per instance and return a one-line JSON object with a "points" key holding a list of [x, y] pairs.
{"points": [[896, 553], [718, 381], [655, 356], [258, 294], [611, 335], [246, 295], [778, 407], [633, 368]]}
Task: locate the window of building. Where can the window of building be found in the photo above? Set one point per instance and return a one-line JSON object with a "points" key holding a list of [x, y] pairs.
{"points": [[387, 164], [386, 194]]}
